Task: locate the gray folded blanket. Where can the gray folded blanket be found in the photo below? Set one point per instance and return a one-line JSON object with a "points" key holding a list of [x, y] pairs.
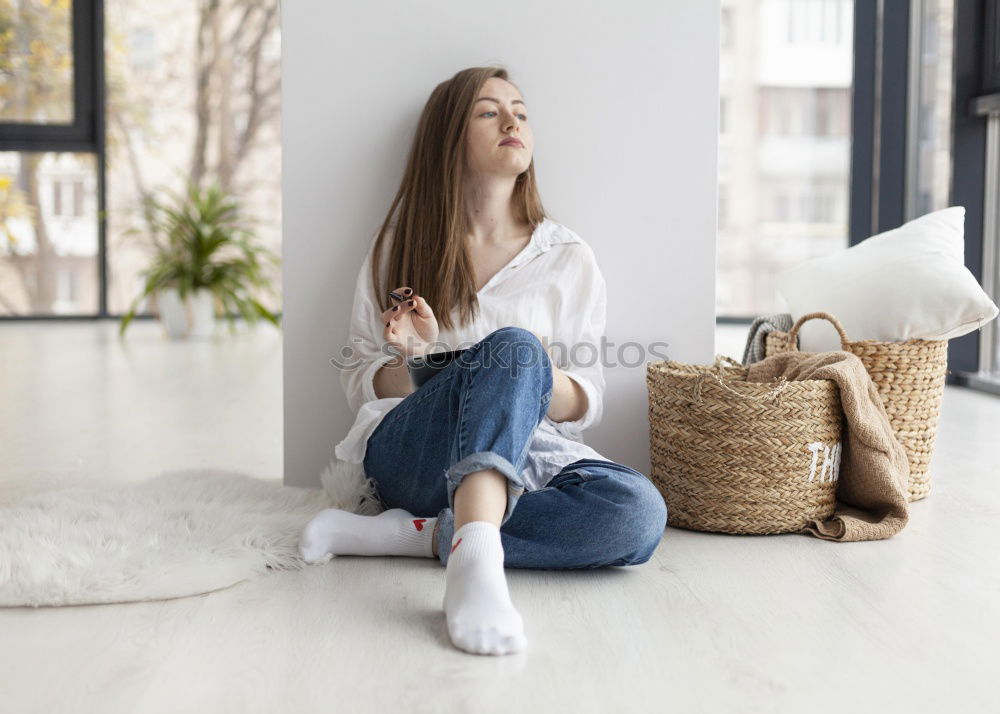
{"points": [[754, 351]]}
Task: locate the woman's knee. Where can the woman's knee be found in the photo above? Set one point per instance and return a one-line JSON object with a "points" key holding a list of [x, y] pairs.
{"points": [[516, 351], [645, 513], [518, 344]]}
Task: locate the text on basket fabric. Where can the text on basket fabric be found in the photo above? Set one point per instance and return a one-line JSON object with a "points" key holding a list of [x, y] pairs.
{"points": [[830, 468]]}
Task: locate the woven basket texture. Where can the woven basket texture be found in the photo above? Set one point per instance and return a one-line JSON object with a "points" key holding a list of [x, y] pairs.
{"points": [[910, 378], [733, 456]]}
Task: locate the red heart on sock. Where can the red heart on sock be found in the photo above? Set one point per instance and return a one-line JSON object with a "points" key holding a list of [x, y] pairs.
{"points": [[456, 545], [418, 523]]}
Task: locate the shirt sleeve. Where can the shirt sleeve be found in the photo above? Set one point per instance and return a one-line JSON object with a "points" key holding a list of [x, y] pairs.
{"points": [[365, 351], [583, 354]]}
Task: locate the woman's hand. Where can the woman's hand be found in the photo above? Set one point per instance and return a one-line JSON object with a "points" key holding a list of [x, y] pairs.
{"points": [[411, 325]]}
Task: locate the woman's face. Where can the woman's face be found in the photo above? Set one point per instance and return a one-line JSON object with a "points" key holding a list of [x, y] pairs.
{"points": [[498, 114]]}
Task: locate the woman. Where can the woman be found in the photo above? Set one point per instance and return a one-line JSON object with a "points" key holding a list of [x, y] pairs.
{"points": [[484, 465]]}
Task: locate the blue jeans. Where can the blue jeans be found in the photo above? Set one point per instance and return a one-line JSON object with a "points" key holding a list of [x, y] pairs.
{"points": [[480, 412]]}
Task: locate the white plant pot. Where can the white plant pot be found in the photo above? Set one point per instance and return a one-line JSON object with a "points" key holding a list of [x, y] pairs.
{"points": [[193, 317]]}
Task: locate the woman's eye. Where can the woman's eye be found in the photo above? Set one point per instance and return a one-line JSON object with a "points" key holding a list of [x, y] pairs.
{"points": [[524, 117]]}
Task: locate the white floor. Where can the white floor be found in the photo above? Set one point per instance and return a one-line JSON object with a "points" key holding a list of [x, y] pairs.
{"points": [[713, 623]]}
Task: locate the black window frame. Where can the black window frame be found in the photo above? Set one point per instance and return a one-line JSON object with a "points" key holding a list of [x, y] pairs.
{"points": [[979, 105], [880, 132], [85, 135], [969, 153]]}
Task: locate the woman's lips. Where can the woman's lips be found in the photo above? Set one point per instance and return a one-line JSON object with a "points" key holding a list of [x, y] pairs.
{"points": [[512, 142]]}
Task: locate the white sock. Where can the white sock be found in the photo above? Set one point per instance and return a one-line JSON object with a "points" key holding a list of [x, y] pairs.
{"points": [[481, 617], [392, 532]]}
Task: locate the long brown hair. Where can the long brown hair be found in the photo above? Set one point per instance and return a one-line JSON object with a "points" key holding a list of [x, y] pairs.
{"points": [[430, 254]]}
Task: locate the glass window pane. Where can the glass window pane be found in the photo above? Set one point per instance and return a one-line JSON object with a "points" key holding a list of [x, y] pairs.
{"points": [[165, 126], [932, 152], [994, 368], [784, 150], [36, 61], [989, 367], [48, 262]]}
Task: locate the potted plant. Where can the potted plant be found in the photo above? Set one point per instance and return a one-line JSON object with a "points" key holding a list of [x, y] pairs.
{"points": [[203, 254]]}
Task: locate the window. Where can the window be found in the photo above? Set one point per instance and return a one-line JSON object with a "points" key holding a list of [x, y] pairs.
{"points": [[985, 108], [796, 111], [49, 164], [812, 22], [36, 58], [929, 151], [78, 198], [45, 238], [188, 90], [785, 82], [227, 129], [726, 28], [723, 207]]}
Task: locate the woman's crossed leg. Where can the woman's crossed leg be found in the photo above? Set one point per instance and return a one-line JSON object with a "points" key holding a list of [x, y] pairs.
{"points": [[476, 418]]}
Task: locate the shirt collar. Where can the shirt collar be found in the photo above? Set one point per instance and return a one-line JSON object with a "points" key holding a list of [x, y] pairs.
{"points": [[546, 234]]}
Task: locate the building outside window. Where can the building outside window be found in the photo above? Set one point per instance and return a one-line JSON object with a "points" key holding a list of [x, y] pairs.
{"points": [[784, 154]]}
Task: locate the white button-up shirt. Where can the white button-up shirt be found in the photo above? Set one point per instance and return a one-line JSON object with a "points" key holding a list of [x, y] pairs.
{"points": [[554, 288]]}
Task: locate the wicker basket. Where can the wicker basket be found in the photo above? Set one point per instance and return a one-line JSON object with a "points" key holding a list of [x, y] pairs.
{"points": [[733, 456], [910, 378]]}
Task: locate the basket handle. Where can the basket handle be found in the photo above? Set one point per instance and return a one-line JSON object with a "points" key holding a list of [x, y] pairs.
{"points": [[720, 358], [793, 333], [718, 374]]}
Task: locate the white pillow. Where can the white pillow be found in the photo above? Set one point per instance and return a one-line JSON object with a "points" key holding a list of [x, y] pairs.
{"points": [[905, 283]]}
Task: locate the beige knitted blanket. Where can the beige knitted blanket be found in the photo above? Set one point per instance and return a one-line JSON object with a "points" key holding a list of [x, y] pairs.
{"points": [[872, 489]]}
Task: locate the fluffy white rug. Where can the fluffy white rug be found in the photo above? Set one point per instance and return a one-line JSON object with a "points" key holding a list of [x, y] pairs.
{"points": [[182, 533]]}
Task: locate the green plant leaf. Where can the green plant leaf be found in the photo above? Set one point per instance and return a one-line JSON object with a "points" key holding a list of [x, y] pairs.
{"points": [[201, 239]]}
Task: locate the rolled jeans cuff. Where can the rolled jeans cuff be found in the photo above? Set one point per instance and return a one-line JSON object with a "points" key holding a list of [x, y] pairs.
{"points": [[480, 461]]}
